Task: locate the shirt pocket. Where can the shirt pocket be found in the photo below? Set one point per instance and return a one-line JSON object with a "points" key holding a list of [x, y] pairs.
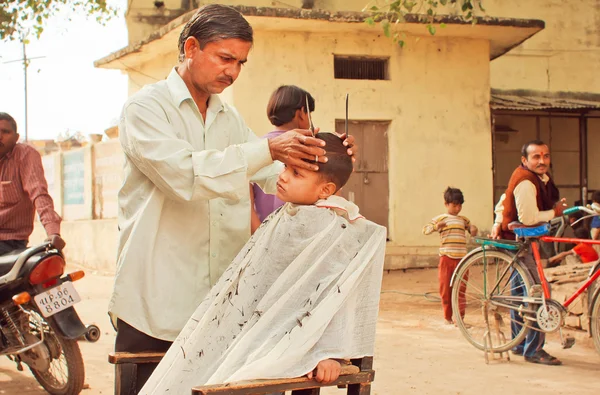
{"points": [[9, 193]]}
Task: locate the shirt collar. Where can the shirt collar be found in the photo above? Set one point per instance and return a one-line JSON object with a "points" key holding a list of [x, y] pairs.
{"points": [[180, 93]]}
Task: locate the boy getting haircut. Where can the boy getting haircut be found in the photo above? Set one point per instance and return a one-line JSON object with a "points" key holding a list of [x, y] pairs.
{"points": [[303, 290]]}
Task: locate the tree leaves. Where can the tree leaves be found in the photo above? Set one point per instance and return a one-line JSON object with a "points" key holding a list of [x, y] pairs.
{"points": [[389, 13], [22, 18]]}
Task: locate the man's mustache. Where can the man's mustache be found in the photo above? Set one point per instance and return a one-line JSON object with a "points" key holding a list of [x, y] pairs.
{"points": [[228, 80]]}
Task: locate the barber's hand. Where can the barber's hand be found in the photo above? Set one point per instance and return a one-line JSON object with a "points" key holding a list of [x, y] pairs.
{"points": [[56, 241], [326, 372], [295, 145], [560, 207], [495, 232], [352, 147]]}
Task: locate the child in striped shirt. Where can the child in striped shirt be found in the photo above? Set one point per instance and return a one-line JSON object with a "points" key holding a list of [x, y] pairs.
{"points": [[452, 228]]}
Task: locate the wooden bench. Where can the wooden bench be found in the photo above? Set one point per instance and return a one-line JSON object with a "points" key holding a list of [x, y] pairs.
{"points": [[356, 378]]}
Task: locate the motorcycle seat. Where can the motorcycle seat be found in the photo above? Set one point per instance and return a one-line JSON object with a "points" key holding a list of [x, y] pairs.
{"points": [[8, 260]]}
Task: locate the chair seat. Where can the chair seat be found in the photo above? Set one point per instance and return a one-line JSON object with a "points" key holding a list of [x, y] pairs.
{"points": [[349, 375]]}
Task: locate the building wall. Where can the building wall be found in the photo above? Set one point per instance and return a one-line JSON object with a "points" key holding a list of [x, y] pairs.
{"points": [[436, 101], [557, 59], [90, 243], [562, 136], [560, 57]]}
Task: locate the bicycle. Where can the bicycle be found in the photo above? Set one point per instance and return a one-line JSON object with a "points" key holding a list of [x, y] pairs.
{"points": [[491, 281]]}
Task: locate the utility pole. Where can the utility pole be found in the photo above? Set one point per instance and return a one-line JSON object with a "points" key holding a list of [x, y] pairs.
{"points": [[25, 61], [25, 65]]}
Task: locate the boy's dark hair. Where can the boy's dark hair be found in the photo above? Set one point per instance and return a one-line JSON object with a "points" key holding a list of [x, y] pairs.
{"points": [[596, 196], [6, 117], [214, 22], [453, 195], [284, 103], [339, 164], [526, 146], [582, 233]]}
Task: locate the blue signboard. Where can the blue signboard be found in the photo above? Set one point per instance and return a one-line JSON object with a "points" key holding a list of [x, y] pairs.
{"points": [[73, 178]]}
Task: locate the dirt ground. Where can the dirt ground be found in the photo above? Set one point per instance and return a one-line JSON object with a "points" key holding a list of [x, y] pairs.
{"points": [[416, 353]]}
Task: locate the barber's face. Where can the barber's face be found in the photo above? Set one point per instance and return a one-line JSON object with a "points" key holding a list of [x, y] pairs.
{"points": [[538, 159], [218, 65], [8, 138]]}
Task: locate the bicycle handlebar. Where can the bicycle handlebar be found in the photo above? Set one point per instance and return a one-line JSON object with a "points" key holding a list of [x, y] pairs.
{"points": [[572, 210]]}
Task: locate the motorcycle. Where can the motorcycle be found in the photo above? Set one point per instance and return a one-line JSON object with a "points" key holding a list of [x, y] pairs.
{"points": [[39, 326]]}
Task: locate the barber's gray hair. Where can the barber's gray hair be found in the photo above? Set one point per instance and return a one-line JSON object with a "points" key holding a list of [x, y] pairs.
{"points": [[214, 22]]}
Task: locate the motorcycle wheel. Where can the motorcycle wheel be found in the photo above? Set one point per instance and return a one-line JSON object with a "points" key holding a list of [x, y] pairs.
{"points": [[66, 374]]}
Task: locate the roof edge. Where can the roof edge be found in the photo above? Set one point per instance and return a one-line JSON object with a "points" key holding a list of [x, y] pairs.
{"points": [[533, 100], [321, 15], [587, 96]]}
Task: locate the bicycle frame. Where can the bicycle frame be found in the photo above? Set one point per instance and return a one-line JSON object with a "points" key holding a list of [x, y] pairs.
{"points": [[540, 269]]}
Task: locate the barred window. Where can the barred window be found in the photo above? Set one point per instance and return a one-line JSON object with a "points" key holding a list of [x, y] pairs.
{"points": [[360, 68]]}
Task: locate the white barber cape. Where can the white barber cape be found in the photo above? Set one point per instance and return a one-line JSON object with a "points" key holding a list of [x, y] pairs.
{"points": [[303, 289]]}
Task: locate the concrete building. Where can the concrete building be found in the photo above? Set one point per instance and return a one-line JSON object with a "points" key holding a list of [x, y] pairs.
{"points": [[548, 88], [423, 114]]}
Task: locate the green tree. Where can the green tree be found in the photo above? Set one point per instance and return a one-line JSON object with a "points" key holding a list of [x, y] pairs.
{"points": [[390, 13], [20, 19]]}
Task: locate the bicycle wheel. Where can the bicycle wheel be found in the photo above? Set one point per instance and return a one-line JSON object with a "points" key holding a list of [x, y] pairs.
{"points": [[595, 322], [480, 284]]}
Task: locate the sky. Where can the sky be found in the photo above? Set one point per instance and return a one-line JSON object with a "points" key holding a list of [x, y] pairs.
{"points": [[65, 91]]}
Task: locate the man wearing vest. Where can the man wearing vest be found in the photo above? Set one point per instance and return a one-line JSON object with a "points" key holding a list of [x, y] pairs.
{"points": [[530, 198]]}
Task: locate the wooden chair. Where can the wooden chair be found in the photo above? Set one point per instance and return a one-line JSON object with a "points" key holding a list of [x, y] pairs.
{"points": [[126, 362], [356, 377]]}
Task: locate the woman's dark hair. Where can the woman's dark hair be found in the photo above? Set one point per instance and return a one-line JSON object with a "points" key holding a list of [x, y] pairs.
{"points": [[214, 22], [453, 195], [339, 164], [6, 117], [284, 103], [596, 196]]}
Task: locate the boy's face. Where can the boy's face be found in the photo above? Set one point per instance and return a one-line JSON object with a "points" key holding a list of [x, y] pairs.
{"points": [[302, 186], [453, 208]]}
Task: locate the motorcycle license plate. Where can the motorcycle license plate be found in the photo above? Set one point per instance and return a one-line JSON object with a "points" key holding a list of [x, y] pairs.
{"points": [[57, 299]]}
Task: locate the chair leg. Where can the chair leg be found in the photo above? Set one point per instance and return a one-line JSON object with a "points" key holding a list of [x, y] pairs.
{"points": [[125, 378], [359, 389]]}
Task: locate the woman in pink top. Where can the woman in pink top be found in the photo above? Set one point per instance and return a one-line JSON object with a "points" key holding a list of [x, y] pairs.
{"points": [[286, 111]]}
